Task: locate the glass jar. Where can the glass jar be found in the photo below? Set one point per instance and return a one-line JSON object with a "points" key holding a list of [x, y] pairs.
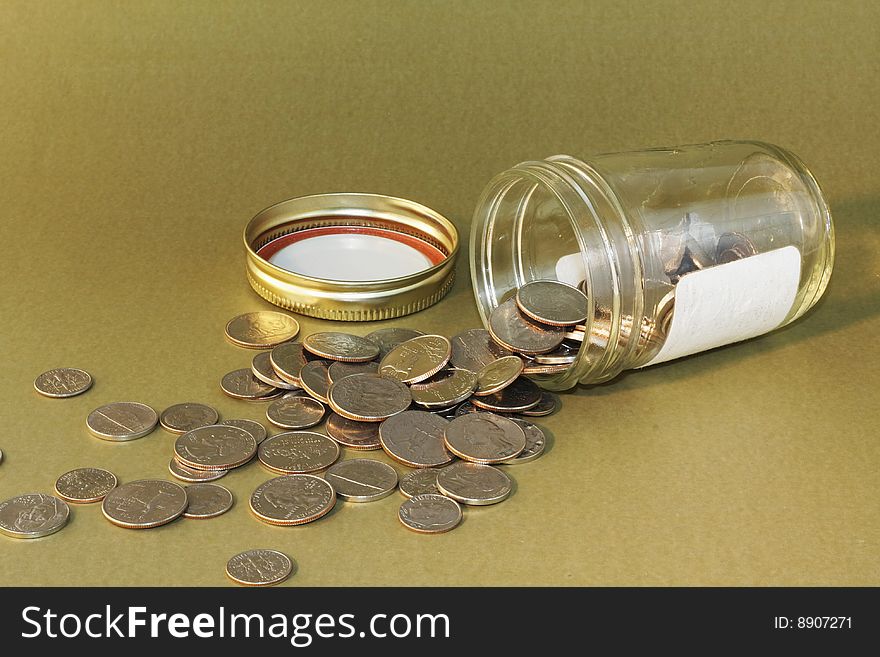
{"points": [[679, 250]]}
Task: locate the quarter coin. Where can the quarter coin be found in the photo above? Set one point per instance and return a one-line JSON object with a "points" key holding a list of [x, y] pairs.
{"points": [[546, 406], [261, 330], [446, 389], [215, 447], [353, 434], [33, 515], [511, 329], [430, 514], [122, 421], [369, 397], [519, 396], [417, 359], [298, 452], [340, 370], [484, 438], [144, 504], [181, 418], [295, 412], [185, 473], [535, 443], [261, 368], [259, 568], [552, 302], [315, 379], [419, 482], [415, 438], [63, 382], [287, 360], [340, 346], [474, 349], [474, 484], [292, 500], [388, 338], [257, 430], [207, 501], [242, 384], [85, 485], [362, 480], [498, 374]]}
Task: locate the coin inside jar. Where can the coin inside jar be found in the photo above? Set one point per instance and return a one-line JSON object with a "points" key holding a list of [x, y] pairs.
{"points": [[552, 302], [369, 397], [417, 359], [341, 346], [315, 379], [513, 330], [242, 384], [298, 452], [261, 330], [295, 412], [121, 421], [415, 438], [207, 501], [257, 430], [215, 447], [445, 389], [33, 515], [261, 367], [519, 396], [498, 374], [185, 473], [362, 480], [287, 360], [340, 370], [292, 500], [353, 434], [181, 418], [259, 567], [484, 438], [144, 504], [419, 482], [474, 484], [430, 514], [63, 382], [474, 349], [388, 338], [85, 485]]}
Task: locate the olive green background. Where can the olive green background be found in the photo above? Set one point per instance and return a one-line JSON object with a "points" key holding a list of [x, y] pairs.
{"points": [[139, 138]]}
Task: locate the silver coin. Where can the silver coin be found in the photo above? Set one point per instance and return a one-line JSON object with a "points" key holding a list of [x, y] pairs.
{"points": [[419, 482], [475, 349], [519, 396], [417, 359], [315, 379], [287, 360], [552, 302], [546, 406], [733, 246], [215, 447], [498, 374], [207, 501], [388, 338], [188, 474], [484, 438], [513, 330], [340, 346], [445, 389], [563, 355], [362, 480], [298, 452], [292, 500], [468, 407], [144, 504], [181, 418], [85, 485], [261, 330], [257, 430], [261, 368], [415, 438], [369, 397], [122, 421], [259, 567], [340, 370], [242, 384], [352, 433], [430, 514], [535, 443], [33, 515], [63, 382], [474, 484], [295, 412]]}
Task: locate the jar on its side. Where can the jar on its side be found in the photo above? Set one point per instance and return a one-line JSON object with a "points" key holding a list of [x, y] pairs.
{"points": [[679, 250]]}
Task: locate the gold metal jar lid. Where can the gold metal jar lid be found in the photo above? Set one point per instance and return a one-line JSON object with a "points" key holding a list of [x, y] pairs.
{"points": [[351, 257]]}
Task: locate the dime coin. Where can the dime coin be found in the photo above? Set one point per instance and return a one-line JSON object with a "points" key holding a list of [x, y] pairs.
{"points": [[513, 330], [259, 568], [144, 504], [121, 421], [292, 500], [535, 443], [295, 412], [85, 485], [519, 396], [448, 388], [417, 359], [340, 370], [498, 374], [181, 418], [63, 382], [315, 379], [430, 514], [388, 338], [475, 349], [552, 302], [415, 438], [362, 480], [185, 473], [242, 384], [207, 501], [261, 368], [341, 346], [298, 452], [287, 360], [353, 434], [257, 430], [215, 447], [546, 406], [474, 484], [369, 397], [419, 482], [33, 515], [261, 330], [484, 438]]}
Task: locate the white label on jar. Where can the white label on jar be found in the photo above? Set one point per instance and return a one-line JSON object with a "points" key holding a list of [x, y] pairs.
{"points": [[731, 302]]}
